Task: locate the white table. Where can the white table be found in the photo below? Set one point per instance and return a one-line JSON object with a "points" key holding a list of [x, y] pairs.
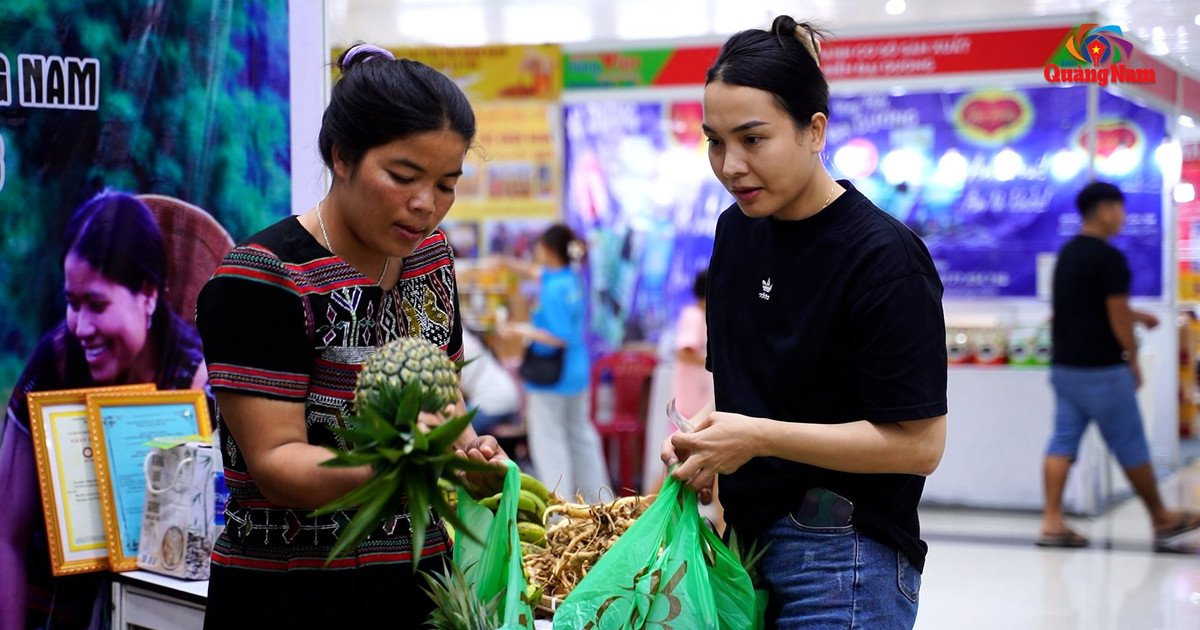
{"points": [[157, 602]]}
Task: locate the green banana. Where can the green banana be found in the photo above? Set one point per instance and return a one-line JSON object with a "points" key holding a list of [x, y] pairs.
{"points": [[493, 502], [531, 533], [531, 483], [532, 506]]}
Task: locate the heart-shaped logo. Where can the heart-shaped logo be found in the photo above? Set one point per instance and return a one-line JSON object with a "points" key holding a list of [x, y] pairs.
{"points": [[991, 116], [1110, 137]]}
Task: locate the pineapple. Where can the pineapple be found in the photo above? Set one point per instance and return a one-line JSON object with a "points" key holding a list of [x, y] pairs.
{"points": [[398, 382], [408, 360]]}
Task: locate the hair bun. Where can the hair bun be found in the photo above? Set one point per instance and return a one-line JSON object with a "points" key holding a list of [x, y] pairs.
{"points": [[808, 36], [362, 53], [784, 26]]}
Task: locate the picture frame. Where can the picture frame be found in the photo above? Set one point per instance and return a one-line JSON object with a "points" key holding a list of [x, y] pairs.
{"points": [[58, 425], [121, 424]]}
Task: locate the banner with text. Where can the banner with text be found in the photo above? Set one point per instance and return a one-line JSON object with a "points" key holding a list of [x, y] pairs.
{"points": [[988, 178]]}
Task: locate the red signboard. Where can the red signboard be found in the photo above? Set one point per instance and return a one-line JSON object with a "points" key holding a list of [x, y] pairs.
{"points": [[945, 53]]}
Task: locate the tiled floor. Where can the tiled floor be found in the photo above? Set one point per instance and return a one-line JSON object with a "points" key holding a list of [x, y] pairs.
{"points": [[984, 572]]}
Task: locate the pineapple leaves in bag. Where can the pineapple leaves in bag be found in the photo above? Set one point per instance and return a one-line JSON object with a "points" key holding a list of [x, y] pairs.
{"points": [[493, 566]]}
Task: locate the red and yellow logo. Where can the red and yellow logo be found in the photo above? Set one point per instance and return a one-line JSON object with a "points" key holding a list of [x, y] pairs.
{"points": [[1095, 54], [993, 117]]}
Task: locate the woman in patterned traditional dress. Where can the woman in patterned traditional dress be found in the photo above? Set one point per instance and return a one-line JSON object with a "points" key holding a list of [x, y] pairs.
{"points": [[118, 330], [287, 321]]}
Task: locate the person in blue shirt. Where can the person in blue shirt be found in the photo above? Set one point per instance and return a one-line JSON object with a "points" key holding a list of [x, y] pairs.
{"points": [[563, 444]]}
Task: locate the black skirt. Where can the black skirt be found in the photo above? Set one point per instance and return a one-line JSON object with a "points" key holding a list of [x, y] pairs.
{"points": [[377, 596]]}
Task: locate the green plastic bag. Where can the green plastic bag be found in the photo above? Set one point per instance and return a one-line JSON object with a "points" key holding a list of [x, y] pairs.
{"points": [[494, 566], [667, 572]]}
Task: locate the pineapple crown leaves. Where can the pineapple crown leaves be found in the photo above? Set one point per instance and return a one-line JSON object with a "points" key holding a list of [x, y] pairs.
{"points": [[748, 555], [458, 606], [408, 464]]}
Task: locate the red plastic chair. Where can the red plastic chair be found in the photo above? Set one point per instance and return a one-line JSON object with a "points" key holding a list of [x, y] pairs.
{"points": [[628, 374]]}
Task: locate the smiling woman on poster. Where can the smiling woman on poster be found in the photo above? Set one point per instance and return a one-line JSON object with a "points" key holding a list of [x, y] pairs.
{"points": [[826, 341], [118, 330]]}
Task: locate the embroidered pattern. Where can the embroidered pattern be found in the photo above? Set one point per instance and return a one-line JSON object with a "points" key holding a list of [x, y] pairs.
{"points": [[346, 316]]}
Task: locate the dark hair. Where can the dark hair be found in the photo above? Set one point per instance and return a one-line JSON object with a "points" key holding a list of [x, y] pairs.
{"points": [[782, 61], [1095, 194], [380, 99], [116, 234], [562, 242], [700, 286]]}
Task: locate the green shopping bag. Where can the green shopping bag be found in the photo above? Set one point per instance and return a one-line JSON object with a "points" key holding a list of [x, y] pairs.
{"points": [[494, 566], [665, 573]]}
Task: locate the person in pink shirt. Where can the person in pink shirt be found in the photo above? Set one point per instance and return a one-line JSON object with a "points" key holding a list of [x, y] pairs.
{"points": [[693, 383]]}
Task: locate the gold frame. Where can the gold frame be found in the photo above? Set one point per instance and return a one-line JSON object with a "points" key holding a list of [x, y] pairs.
{"points": [[43, 406], [117, 559]]}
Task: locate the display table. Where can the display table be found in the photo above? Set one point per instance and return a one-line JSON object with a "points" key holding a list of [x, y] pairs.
{"points": [[999, 423], [156, 602]]}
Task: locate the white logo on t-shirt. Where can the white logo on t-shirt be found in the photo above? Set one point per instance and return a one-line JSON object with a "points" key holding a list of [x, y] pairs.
{"points": [[766, 291]]}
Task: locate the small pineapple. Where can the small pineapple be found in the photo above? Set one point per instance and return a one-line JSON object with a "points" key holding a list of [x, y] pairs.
{"points": [[409, 360], [398, 382]]}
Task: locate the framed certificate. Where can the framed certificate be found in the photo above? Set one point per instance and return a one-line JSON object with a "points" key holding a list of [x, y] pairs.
{"points": [[121, 424], [67, 477]]}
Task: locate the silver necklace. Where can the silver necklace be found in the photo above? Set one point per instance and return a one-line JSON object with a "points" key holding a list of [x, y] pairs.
{"points": [[325, 235]]}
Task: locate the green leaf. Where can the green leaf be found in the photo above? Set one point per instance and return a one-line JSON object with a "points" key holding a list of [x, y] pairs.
{"points": [[353, 435], [350, 458], [418, 514], [360, 526], [450, 515], [355, 498], [409, 406], [444, 435], [393, 455]]}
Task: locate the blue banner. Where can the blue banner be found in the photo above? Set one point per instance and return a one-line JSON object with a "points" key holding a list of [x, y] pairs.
{"points": [[987, 178]]}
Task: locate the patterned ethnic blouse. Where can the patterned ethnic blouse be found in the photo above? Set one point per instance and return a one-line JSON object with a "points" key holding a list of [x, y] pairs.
{"points": [[283, 318]]}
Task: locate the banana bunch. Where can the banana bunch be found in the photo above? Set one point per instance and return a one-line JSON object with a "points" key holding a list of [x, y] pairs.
{"points": [[531, 509]]}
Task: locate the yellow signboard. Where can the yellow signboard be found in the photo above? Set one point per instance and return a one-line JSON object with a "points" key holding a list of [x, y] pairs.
{"points": [[488, 73], [513, 171]]}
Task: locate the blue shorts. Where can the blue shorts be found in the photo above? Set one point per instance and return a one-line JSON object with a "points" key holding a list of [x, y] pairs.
{"points": [[1107, 395]]}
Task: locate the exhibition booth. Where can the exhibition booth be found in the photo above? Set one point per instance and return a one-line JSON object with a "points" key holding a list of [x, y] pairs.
{"points": [[974, 135]]}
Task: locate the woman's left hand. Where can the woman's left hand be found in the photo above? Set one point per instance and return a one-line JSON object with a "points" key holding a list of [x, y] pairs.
{"points": [[721, 444], [485, 449]]}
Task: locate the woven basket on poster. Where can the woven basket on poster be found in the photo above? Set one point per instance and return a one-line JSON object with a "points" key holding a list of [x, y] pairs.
{"points": [[195, 245]]}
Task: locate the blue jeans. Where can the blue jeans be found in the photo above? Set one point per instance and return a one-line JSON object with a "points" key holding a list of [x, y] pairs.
{"points": [[1107, 395], [836, 577]]}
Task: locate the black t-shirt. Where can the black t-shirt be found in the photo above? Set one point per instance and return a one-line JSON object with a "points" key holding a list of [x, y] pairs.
{"points": [[1087, 273], [832, 319]]}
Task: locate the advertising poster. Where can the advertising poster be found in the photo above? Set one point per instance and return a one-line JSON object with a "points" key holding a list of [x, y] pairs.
{"points": [[513, 170], [488, 73], [988, 178], [638, 184], [186, 101], [1188, 232]]}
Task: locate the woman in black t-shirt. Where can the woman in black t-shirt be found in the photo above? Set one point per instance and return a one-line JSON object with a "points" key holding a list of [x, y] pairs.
{"points": [[827, 347]]}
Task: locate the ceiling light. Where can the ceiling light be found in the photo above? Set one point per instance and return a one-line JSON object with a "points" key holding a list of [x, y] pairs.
{"points": [[1186, 121], [895, 7], [1185, 193], [1197, 20]]}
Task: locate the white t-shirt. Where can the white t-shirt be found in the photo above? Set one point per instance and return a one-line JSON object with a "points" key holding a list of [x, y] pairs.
{"points": [[485, 383]]}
